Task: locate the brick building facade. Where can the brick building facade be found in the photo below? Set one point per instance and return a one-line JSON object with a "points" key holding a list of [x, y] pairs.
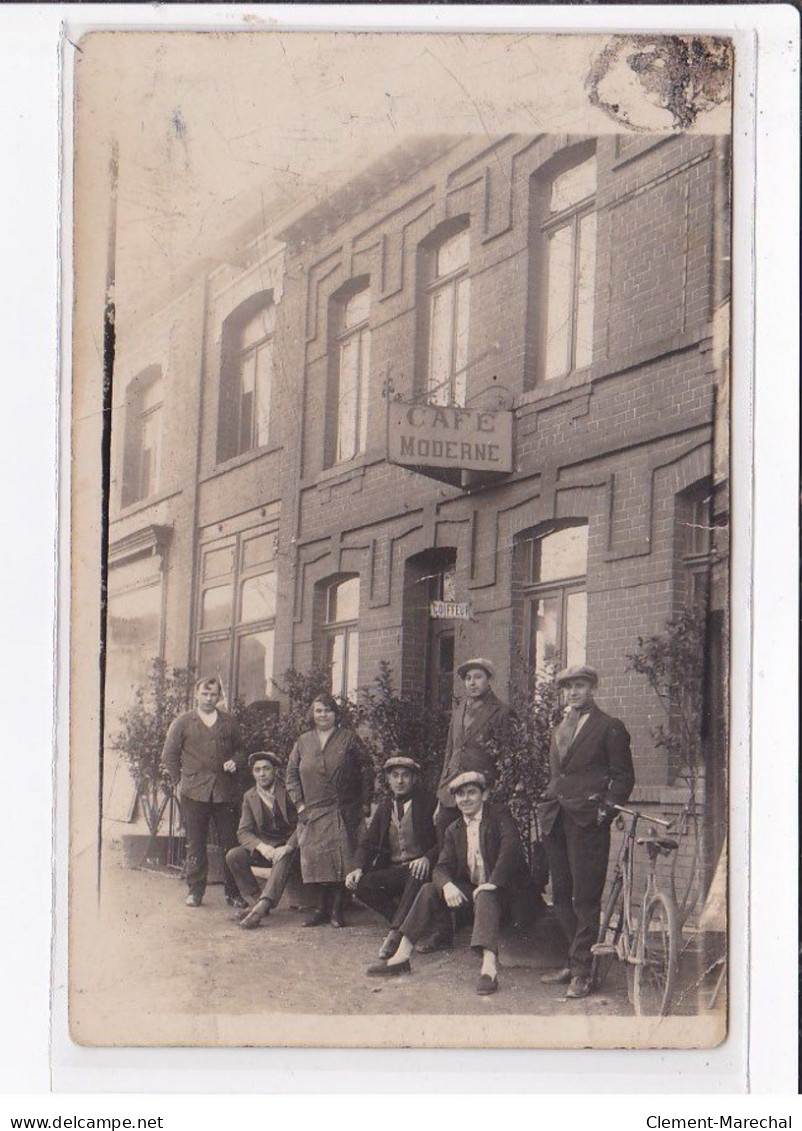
{"points": [[579, 284]]}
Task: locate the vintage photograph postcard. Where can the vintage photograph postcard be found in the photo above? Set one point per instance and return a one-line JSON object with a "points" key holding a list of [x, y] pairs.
{"points": [[399, 629]]}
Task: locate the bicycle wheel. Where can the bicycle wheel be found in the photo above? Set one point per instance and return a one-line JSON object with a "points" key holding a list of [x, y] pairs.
{"points": [[657, 957], [612, 922]]}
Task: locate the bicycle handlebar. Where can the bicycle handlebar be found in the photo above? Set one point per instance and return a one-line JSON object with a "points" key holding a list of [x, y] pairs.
{"points": [[635, 813]]}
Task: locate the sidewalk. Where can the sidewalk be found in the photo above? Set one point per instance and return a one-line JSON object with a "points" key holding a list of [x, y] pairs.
{"points": [[160, 955]]}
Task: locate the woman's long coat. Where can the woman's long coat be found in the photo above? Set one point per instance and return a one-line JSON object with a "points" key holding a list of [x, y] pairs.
{"points": [[335, 786]]}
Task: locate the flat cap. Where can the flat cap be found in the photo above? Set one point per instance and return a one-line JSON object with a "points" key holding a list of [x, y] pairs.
{"points": [[401, 762], [478, 662], [265, 756], [578, 671], [469, 777]]}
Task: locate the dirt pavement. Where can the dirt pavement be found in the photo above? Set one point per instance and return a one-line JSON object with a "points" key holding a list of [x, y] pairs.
{"points": [[159, 955]]}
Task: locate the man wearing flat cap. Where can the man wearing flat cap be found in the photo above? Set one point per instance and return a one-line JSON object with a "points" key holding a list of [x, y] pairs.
{"points": [[479, 867], [266, 836], [591, 770], [479, 725], [397, 853]]}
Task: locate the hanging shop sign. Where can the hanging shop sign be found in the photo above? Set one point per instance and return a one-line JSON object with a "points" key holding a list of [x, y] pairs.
{"points": [[450, 610], [464, 446]]}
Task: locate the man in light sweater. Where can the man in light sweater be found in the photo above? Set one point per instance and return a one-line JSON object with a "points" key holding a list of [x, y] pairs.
{"points": [[202, 753]]}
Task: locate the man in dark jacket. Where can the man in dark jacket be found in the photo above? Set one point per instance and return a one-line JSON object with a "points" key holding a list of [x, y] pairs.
{"points": [[202, 753], [591, 770], [479, 725], [266, 839], [481, 863], [399, 849]]}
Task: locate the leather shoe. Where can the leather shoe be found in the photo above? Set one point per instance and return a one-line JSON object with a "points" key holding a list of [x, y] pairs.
{"points": [[318, 919], [580, 987], [560, 978], [254, 917], [385, 970], [486, 985], [435, 942], [194, 899], [390, 944], [238, 902]]}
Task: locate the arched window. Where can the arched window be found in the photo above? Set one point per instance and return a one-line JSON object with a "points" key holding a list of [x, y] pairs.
{"points": [[351, 356], [556, 596], [341, 634], [567, 247], [246, 377], [445, 312], [143, 436]]}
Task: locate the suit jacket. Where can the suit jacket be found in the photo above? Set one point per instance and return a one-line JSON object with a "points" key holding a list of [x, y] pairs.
{"points": [[253, 828], [599, 761], [374, 847], [194, 755], [501, 849], [468, 750]]}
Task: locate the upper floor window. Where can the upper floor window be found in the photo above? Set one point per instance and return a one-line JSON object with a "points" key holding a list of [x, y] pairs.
{"points": [[353, 374], [246, 378], [447, 287], [237, 614], [143, 437], [556, 594], [341, 635], [696, 518], [569, 244]]}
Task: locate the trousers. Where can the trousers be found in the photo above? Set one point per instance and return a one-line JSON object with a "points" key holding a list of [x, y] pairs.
{"points": [[241, 861], [430, 914], [578, 859], [390, 891], [197, 815]]}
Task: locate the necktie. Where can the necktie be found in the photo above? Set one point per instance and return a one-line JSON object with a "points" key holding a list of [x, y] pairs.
{"points": [[399, 808], [566, 731]]}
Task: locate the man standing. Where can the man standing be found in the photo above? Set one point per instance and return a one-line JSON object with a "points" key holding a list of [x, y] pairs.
{"points": [[202, 753], [266, 839], [478, 724], [479, 867], [589, 757], [396, 855]]}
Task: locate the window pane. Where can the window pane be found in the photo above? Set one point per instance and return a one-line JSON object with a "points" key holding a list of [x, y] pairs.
{"points": [[216, 607], [347, 406], [573, 185], [453, 253], [357, 309], [255, 666], [449, 584], [151, 452], [558, 302], [364, 380], [258, 550], [258, 598], [585, 291], [218, 563], [264, 382], [247, 370], [213, 661], [576, 628], [245, 423], [442, 327], [546, 632], [134, 621], [336, 658], [561, 554], [152, 395], [260, 326], [461, 340], [352, 663], [344, 601], [445, 671]]}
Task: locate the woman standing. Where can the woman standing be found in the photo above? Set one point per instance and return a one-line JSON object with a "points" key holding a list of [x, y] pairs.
{"points": [[330, 781]]}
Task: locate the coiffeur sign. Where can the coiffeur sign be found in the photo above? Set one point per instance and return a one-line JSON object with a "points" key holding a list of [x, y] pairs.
{"points": [[450, 443]]}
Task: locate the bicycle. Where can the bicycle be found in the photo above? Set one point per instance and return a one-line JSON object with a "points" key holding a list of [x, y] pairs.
{"points": [[648, 942]]}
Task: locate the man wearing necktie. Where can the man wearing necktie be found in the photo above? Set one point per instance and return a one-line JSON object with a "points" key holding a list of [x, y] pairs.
{"points": [[399, 849], [480, 866], [589, 758]]}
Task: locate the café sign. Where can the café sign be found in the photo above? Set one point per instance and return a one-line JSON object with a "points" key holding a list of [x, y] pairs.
{"points": [[448, 442]]}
